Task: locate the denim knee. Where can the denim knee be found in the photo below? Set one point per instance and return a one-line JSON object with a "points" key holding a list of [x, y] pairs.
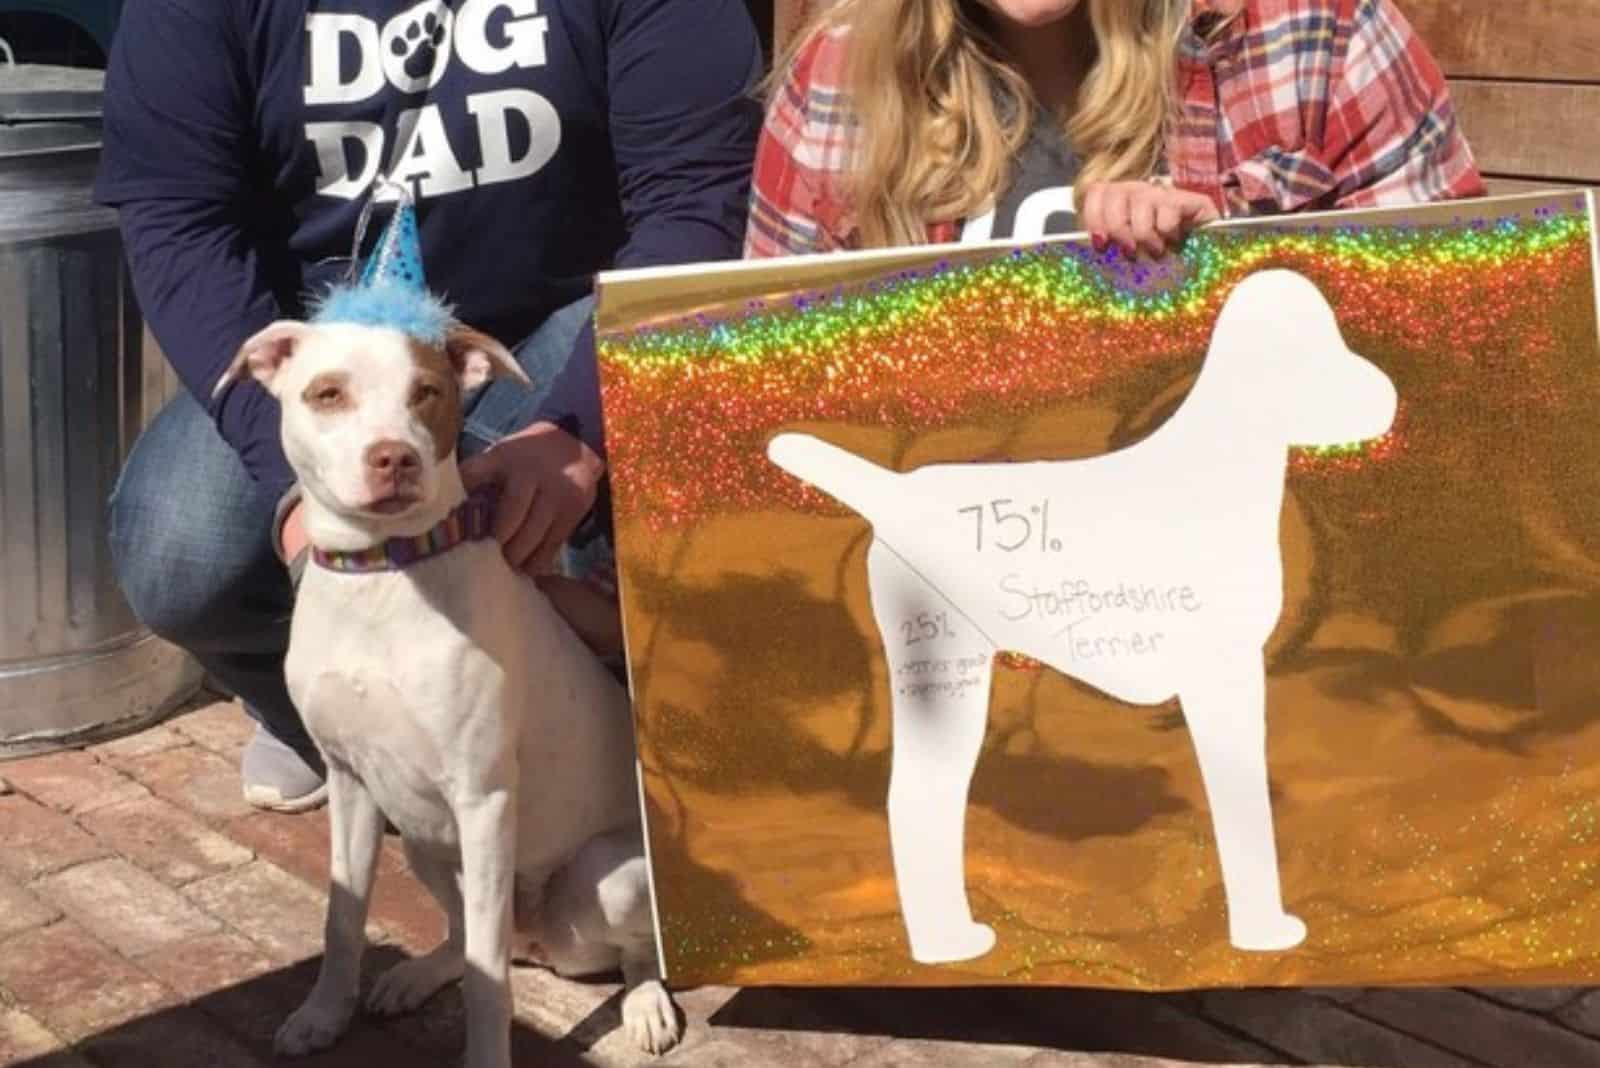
{"points": [[172, 591], [190, 544]]}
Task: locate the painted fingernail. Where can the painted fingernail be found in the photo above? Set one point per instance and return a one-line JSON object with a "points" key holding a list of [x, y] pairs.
{"points": [[1098, 241]]}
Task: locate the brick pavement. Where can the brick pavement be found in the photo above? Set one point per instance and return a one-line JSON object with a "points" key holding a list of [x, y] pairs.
{"points": [[149, 918]]}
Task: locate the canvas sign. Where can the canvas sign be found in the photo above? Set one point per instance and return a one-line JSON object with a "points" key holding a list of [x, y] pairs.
{"points": [[1027, 614]]}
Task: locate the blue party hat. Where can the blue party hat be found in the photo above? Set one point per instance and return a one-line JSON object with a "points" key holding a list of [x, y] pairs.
{"points": [[391, 290], [397, 259]]}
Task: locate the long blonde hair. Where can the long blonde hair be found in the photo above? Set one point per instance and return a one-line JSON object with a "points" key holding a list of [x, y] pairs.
{"points": [[935, 140]]}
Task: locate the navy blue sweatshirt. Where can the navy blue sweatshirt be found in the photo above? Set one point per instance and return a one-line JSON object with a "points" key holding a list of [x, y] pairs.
{"points": [[543, 140]]}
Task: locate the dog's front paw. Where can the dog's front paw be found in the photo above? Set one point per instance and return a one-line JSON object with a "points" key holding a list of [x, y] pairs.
{"points": [[650, 1018], [315, 1025], [408, 984]]}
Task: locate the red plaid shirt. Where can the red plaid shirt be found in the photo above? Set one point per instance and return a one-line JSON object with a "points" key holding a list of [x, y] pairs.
{"points": [[1294, 105]]}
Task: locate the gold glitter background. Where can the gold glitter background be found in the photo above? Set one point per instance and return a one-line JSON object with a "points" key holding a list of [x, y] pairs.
{"points": [[1433, 727]]}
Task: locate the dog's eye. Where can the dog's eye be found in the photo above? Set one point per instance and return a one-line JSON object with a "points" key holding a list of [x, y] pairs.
{"points": [[424, 392], [326, 393]]}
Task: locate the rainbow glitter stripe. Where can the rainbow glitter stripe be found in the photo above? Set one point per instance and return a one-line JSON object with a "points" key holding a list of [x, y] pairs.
{"points": [[472, 520], [690, 403]]}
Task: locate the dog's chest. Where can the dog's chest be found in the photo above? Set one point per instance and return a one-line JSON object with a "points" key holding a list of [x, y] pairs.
{"points": [[391, 686]]}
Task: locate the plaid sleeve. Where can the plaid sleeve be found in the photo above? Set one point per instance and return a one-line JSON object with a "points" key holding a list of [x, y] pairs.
{"points": [[796, 197], [1366, 122]]}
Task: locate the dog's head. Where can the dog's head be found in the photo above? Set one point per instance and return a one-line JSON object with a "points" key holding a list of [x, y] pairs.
{"points": [[1300, 374], [371, 414]]}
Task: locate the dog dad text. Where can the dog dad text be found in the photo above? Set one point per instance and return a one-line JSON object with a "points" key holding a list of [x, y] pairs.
{"points": [[351, 58]]}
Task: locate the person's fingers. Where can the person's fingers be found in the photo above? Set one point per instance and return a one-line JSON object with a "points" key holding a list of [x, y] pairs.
{"points": [[1118, 225], [1198, 209], [1142, 221], [511, 509], [559, 525], [480, 470], [563, 521], [1169, 220], [1091, 213], [523, 551]]}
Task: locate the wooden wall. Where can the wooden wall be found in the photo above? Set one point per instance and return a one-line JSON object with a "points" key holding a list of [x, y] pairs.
{"points": [[1525, 74], [1526, 79]]}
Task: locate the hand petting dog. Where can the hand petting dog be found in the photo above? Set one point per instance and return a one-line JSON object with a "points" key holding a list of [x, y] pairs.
{"points": [[548, 480]]}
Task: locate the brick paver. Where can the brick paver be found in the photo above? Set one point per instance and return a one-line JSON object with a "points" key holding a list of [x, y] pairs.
{"points": [[220, 726], [198, 966], [150, 740], [34, 840], [1534, 998], [22, 910], [1583, 1015], [127, 909], [76, 985], [149, 918], [278, 912], [1314, 1028], [192, 778], [163, 839], [23, 1038], [1454, 1020], [181, 1036], [72, 782], [915, 1053]]}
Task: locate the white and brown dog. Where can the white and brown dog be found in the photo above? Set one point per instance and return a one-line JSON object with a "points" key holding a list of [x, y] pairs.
{"points": [[448, 696]]}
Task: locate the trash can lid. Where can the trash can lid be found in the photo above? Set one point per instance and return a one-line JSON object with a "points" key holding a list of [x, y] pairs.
{"points": [[37, 138], [31, 92]]}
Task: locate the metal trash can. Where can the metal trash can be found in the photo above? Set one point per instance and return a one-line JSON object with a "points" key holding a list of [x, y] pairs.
{"points": [[78, 381]]}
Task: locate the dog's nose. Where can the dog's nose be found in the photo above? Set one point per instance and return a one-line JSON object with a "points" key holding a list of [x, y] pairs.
{"points": [[392, 458]]}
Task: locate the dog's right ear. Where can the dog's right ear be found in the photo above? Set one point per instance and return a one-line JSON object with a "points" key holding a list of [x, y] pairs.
{"points": [[265, 354], [477, 358]]}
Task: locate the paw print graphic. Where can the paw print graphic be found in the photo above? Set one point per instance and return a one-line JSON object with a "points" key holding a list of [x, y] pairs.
{"points": [[419, 44]]}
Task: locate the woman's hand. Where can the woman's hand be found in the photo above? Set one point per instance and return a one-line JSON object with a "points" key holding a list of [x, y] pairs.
{"points": [[548, 480], [1142, 217]]}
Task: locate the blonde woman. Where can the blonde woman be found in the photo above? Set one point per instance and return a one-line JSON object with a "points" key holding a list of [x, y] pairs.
{"points": [[897, 122]]}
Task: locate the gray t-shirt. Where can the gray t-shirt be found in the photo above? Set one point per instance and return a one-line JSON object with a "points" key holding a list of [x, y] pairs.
{"points": [[1038, 202]]}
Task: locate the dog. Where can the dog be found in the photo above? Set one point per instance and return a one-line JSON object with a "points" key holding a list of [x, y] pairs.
{"points": [[1147, 573], [450, 698]]}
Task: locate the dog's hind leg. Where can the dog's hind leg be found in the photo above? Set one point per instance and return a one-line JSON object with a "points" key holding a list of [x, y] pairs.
{"points": [[648, 1014], [940, 669], [355, 834], [1225, 707], [407, 985], [597, 914]]}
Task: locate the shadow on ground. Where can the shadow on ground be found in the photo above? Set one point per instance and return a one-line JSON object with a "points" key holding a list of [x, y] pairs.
{"points": [[1164, 1026], [233, 1028]]}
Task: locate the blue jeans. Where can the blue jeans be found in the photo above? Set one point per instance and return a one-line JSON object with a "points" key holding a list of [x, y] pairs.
{"points": [[191, 538]]}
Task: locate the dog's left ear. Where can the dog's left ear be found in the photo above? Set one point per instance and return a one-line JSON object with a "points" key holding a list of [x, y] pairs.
{"points": [[477, 357]]}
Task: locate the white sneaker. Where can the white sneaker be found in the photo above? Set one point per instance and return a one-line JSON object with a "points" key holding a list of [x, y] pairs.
{"points": [[277, 779]]}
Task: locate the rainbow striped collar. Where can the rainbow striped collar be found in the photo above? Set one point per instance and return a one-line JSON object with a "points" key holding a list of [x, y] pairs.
{"points": [[471, 520]]}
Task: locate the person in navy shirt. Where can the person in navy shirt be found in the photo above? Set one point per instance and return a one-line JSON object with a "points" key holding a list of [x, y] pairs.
{"points": [[541, 141]]}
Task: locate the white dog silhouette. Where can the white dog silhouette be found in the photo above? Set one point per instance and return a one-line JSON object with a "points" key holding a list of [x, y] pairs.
{"points": [[1149, 572]]}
